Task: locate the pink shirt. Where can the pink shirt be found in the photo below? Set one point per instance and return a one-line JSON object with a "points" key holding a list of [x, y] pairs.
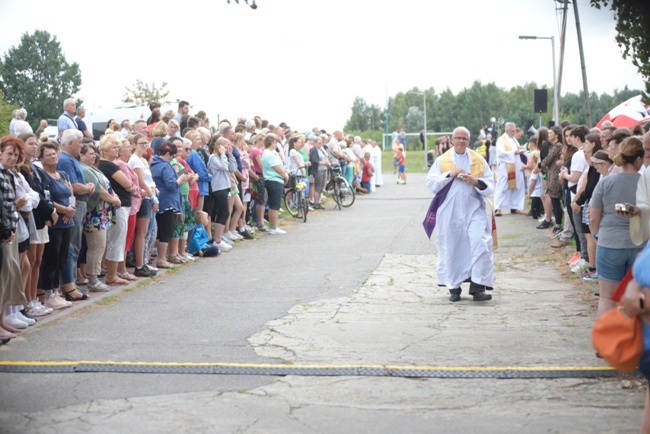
{"points": [[136, 196], [254, 153]]}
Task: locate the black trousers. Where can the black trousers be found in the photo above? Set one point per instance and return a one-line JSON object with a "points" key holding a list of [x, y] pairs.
{"points": [[557, 210], [55, 257]]}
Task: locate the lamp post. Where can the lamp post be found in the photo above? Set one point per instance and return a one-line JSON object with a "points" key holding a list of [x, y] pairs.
{"points": [[424, 103], [556, 101]]}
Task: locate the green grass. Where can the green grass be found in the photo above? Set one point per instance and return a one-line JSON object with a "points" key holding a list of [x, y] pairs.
{"points": [[415, 162]]}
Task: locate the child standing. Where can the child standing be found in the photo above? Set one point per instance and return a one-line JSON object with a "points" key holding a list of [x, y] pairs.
{"points": [[535, 187], [401, 166]]}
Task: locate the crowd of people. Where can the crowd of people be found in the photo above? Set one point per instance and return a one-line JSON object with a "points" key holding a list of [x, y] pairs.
{"points": [[80, 215]]}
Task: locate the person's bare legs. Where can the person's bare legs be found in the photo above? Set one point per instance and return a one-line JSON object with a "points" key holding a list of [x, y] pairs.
{"points": [[162, 255], [25, 271], [591, 249], [260, 217], [35, 254], [548, 207], [172, 249], [645, 423], [141, 227], [606, 289], [236, 213], [218, 231], [273, 218]]}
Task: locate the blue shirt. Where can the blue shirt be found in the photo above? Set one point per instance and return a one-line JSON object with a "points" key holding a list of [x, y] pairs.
{"points": [[195, 161], [165, 178], [71, 167], [235, 153], [65, 122], [60, 193]]}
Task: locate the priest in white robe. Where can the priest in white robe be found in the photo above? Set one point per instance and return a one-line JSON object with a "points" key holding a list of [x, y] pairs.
{"points": [[375, 155], [462, 180], [510, 191]]}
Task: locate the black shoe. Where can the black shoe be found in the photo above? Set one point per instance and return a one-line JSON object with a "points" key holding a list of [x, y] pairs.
{"points": [[454, 297], [143, 272], [557, 229], [544, 225], [244, 233], [482, 296]]}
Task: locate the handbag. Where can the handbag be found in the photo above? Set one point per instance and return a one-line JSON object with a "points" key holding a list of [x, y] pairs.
{"points": [[618, 339], [178, 218]]}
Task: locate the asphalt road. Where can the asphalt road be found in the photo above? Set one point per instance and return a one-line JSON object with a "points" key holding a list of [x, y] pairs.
{"points": [[206, 312]]}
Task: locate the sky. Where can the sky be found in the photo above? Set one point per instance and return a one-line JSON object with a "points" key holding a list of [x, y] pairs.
{"points": [[303, 62]]}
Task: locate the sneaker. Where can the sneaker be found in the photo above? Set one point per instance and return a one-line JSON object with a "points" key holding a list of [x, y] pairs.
{"points": [[23, 318], [34, 310], [223, 246], [250, 229], [225, 239], [38, 305], [55, 303], [233, 235], [574, 258], [98, 287], [13, 321], [276, 231], [189, 257], [143, 272], [246, 235], [590, 276], [262, 227], [544, 224], [580, 266]]}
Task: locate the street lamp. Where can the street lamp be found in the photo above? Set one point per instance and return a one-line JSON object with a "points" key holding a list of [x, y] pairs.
{"points": [[556, 101], [424, 103]]}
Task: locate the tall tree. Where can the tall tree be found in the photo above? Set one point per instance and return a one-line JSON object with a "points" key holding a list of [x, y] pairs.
{"points": [[36, 75], [632, 32], [142, 93]]}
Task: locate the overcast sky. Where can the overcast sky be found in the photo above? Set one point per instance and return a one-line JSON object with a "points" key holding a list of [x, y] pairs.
{"points": [[304, 61]]}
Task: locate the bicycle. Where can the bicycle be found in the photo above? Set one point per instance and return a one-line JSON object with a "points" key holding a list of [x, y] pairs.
{"points": [[339, 188], [295, 201]]}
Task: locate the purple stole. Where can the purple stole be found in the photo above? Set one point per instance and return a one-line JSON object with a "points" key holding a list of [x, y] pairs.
{"points": [[429, 222]]}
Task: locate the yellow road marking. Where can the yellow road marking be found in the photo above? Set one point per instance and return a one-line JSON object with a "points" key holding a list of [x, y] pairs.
{"points": [[285, 366]]}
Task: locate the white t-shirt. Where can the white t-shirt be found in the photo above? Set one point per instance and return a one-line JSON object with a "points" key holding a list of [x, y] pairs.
{"points": [[292, 161], [136, 162], [578, 164], [537, 190]]}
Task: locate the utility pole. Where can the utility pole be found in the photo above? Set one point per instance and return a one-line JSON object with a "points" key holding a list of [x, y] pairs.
{"points": [[565, 9], [582, 64]]}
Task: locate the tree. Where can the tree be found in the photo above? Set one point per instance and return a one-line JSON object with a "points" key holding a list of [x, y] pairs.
{"points": [[632, 32], [5, 115], [144, 94], [35, 75]]}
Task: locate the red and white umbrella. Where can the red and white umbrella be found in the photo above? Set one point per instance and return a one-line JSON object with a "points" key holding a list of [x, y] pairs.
{"points": [[627, 114]]}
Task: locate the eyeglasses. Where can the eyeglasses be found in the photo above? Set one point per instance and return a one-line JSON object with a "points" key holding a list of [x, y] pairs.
{"points": [[464, 139]]}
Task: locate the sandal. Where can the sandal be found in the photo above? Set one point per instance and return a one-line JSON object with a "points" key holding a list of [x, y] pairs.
{"points": [[116, 280], [69, 297], [165, 265], [127, 276], [175, 260]]}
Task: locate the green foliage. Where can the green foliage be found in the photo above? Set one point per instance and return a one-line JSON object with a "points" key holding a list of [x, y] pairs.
{"points": [[632, 32], [474, 106], [365, 134], [143, 94], [365, 117], [5, 115], [35, 75]]}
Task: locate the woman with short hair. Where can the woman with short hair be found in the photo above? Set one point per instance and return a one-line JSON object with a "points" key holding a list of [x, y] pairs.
{"points": [[100, 211], [168, 184], [274, 179], [109, 150]]}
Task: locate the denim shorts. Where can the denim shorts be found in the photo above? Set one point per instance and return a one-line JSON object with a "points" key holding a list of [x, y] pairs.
{"points": [[612, 264], [145, 209]]}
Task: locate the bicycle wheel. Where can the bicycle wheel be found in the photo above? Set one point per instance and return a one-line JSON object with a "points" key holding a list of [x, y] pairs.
{"points": [[337, 195], [289, 203], [347, 194], [303, 206]]}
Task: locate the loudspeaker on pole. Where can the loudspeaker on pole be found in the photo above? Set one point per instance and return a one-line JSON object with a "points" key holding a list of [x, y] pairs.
{"points": [[541, 100]]}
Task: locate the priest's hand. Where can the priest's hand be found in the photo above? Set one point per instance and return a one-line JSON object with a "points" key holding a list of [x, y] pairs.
{"points": [[457, 171], [468, 178]]}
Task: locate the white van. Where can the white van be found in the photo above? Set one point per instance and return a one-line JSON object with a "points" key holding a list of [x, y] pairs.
{"points": [[97, 120]]}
